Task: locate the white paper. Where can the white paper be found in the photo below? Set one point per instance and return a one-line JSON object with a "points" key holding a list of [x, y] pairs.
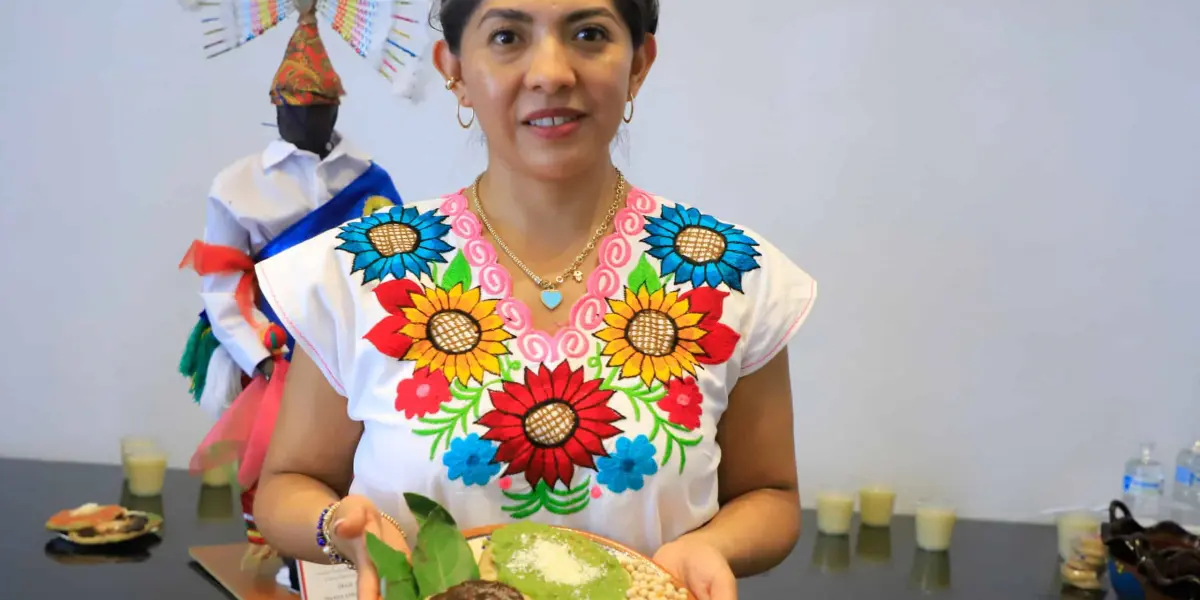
{"points": [[327, 582]]}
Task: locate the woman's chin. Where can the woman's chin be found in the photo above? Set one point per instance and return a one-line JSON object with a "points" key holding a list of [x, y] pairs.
{"points": [[562, 163]]}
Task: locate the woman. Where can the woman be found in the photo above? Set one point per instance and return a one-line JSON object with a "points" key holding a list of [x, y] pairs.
{"points": [[550, 343]]}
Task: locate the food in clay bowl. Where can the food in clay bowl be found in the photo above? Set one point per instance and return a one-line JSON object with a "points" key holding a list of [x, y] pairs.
{"points": [[520, 561]]}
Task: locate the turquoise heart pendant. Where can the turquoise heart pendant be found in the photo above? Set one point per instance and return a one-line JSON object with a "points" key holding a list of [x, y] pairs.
{"points": [[551, 298]]}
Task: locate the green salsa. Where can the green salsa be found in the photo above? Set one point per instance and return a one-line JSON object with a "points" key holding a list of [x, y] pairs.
{"points": [[546, 563]]}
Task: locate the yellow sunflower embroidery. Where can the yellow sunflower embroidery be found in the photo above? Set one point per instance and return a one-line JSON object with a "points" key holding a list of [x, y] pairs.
{"points": [[453, 331], [663, 334]]}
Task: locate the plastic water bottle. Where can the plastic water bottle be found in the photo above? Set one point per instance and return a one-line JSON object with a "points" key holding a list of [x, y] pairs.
{"points": [[1184, 490], [1143, 485]]}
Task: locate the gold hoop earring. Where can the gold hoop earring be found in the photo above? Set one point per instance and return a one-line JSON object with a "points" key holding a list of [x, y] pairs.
{"points": [[468, 124], [450, 83], [628, 117]]}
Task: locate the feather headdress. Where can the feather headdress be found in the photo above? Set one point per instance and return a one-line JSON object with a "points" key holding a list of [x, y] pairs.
{"points": [[392, 36]]}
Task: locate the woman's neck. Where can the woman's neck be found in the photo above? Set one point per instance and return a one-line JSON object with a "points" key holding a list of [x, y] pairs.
{"points": [[546, 216]]}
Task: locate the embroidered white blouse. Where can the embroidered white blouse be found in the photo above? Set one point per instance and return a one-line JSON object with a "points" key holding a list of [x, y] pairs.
{"points": [[607, 425], [252, 201]]}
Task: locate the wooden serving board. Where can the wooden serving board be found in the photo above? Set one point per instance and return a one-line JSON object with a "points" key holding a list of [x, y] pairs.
{"points": [[224, 564]]}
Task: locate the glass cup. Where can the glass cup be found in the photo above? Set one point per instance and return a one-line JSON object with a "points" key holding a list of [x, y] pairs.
{"points": [[131, 443], [835, 510], [147, 471], [935, 525], [876, 504]]}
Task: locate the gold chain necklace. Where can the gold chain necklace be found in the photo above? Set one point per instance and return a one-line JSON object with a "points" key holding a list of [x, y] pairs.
{"points": [[551, 297]]}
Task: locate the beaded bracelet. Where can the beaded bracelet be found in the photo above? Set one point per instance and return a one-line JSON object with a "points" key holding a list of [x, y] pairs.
{"points": [[325, 534]]}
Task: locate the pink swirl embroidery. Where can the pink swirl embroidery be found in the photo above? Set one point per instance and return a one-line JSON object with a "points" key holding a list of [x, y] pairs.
{"points": [[640, 201], [479, 253], [537, 347], [572, 342], [494, 281], [515, 315], [466, 226], [454, 205], [629, 222], [604, 281], [614, 251], [589, 313]]}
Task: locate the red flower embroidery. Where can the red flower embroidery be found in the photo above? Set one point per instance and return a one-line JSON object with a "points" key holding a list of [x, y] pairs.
{"points": [[422, 394], [550, 425], [683, 403], [719, 342]]}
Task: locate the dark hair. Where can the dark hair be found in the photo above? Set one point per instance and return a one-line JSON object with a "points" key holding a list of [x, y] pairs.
{"points": [[641, 16]]}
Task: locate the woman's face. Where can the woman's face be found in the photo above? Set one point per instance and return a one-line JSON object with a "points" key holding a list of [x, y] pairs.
{"points": [[548, 80]]}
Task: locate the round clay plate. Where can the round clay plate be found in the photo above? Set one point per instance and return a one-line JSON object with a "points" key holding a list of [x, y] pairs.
{"points": [[477, 536]]}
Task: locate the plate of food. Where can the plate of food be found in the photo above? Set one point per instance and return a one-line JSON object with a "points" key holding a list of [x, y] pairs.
{"points": [[99, 525], [518, 561]]}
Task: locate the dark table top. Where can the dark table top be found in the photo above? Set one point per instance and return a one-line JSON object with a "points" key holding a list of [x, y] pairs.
{"points": [[987, 560]]}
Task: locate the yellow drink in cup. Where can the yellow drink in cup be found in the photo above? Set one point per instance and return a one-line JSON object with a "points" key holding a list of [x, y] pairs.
{"points": [[216, 477], [1071, 527], [876, 506], [131, 443], [935, 526], [835, 510], [147, 471]]}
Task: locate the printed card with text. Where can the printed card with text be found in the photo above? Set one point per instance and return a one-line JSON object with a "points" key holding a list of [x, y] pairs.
{"points": [[327, 582]]}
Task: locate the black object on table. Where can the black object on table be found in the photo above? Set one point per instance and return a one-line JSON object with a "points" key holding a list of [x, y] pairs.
{"points": [[988, 560]]}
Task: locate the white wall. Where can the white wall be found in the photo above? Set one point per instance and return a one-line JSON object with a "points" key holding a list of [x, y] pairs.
{"points": [[999, 199]]}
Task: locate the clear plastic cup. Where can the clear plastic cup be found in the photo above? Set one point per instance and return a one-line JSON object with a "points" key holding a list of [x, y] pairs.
{"points": [[876, 504], [935, 525], [835, 511], [131, 443], [146, 471], [1072, 526]]}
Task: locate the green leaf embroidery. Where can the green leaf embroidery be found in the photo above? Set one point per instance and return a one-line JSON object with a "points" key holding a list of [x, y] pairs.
{"points": [[644, 276], [452, 416], [642, 397], [459, 272], [544, 497], [442, 558], [396, 578]]}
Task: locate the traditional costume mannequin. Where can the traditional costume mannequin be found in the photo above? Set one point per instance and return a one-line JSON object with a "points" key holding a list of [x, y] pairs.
{"points": [[309, 181]]}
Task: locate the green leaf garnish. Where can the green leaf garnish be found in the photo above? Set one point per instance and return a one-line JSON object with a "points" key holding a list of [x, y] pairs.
{"points": [[442, 557], [644, 276], [396, 579], [459, 272]]}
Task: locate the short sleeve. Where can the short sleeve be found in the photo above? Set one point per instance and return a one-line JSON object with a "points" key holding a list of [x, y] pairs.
{"points": [[780, 296], [316, 303]]}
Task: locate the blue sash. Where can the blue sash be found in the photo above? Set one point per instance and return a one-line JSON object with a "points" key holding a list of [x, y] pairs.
{"points": [[347, 205]]}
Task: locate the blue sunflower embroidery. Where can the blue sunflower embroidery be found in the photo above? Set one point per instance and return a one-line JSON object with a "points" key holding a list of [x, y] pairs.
{"points": [[471, 459], [397, 242], [628, 467], [698, 248]]}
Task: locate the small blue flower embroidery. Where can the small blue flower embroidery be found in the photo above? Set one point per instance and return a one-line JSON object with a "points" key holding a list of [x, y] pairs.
{"points": [[470, 459], [396, 242], [698, 248], [627, 468]]}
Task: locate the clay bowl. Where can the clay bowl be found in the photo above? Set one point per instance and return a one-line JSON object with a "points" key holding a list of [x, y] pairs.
{"points": [[618, 549]]}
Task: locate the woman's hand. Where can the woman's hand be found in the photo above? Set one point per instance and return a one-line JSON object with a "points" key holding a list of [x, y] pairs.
{"points": [[352, 520], [701, 567]]}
